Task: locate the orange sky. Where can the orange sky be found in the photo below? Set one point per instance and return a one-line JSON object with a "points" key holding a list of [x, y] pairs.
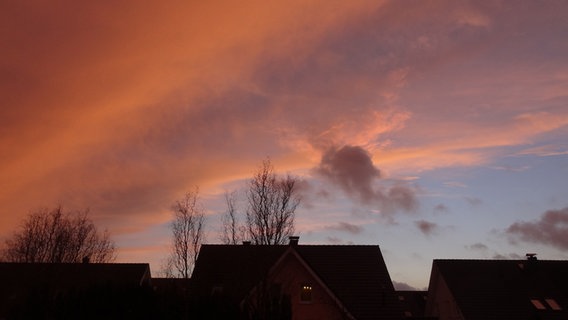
{"points": [[121, 106]]}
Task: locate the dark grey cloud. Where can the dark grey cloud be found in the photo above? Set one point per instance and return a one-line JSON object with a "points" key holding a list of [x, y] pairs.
{"points": [[550, 229], [477, 246], [441, 208], [346, 227], [510, 256], [426, 227], [352, 169], [403, 286], [401, 196], [336, 240], [474, 202]]}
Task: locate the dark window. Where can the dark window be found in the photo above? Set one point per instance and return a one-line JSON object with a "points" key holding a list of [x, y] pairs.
{"points": [[217, 290]]}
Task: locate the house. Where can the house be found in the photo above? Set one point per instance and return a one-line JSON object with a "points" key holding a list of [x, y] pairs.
{"points": [[498, 289], [74, 290], [413, 304], [172, 297], [293, 282]]}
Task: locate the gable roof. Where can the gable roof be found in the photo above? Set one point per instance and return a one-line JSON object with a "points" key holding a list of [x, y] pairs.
{"points": [[504, 288], [235, 269], [356, 275]]}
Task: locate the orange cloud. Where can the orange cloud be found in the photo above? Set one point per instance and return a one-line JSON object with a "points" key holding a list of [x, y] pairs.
{"points": [[85, 81], [121, 107]]}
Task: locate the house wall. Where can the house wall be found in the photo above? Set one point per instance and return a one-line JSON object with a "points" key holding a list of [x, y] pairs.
{"points": [[441, 303], [292, 275]]}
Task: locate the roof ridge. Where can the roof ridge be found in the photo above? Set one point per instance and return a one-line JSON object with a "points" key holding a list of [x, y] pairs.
{"points": [[502, 260], [287, 245]]}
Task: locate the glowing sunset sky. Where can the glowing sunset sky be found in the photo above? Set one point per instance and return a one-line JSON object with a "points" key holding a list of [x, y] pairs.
{"points": [[436, 129]]}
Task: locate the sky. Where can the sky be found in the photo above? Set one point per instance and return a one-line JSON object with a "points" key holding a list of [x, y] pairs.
{"points": [[434, 129]]}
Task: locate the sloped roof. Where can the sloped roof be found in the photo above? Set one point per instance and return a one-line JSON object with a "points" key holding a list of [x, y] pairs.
{"points": [[357, 275], [235, 268], [76, 275], [54, 289], [503, 289]]}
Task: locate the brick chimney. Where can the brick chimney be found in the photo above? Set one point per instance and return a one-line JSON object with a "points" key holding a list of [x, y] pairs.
{"points": [[294, 240]]}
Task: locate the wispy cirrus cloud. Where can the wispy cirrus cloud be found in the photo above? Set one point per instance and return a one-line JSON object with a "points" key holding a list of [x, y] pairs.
{"points": [[509, 256], [511, 168], [455, 184], [336, 240], [473, 201], [441, 208], [545, 151], [478, 246], [346, 227]]}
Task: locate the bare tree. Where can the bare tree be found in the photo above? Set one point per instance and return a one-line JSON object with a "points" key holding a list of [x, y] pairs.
{"points": [[267, 301], [272, 202], [188, 233], [58, 236], [233, 232]]}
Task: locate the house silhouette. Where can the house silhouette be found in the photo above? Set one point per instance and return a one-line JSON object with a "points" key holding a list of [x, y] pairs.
{"points": [[285, 282], [498, 289], [294, 282], [75, 291]]}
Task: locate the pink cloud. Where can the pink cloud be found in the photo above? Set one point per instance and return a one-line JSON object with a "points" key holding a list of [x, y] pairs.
{"points": [[545, 151]]}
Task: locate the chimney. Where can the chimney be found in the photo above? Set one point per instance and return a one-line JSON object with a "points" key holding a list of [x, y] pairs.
{"points": [[531, 256], [294, 240]]}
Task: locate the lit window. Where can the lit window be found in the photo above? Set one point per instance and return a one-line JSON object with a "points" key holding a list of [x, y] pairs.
{"points": [[306, 293], [537, 304], [553, 304]]}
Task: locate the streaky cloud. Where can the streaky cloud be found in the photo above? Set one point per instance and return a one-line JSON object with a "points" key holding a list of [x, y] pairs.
{"points": [[346, 227], [478, 246]]}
